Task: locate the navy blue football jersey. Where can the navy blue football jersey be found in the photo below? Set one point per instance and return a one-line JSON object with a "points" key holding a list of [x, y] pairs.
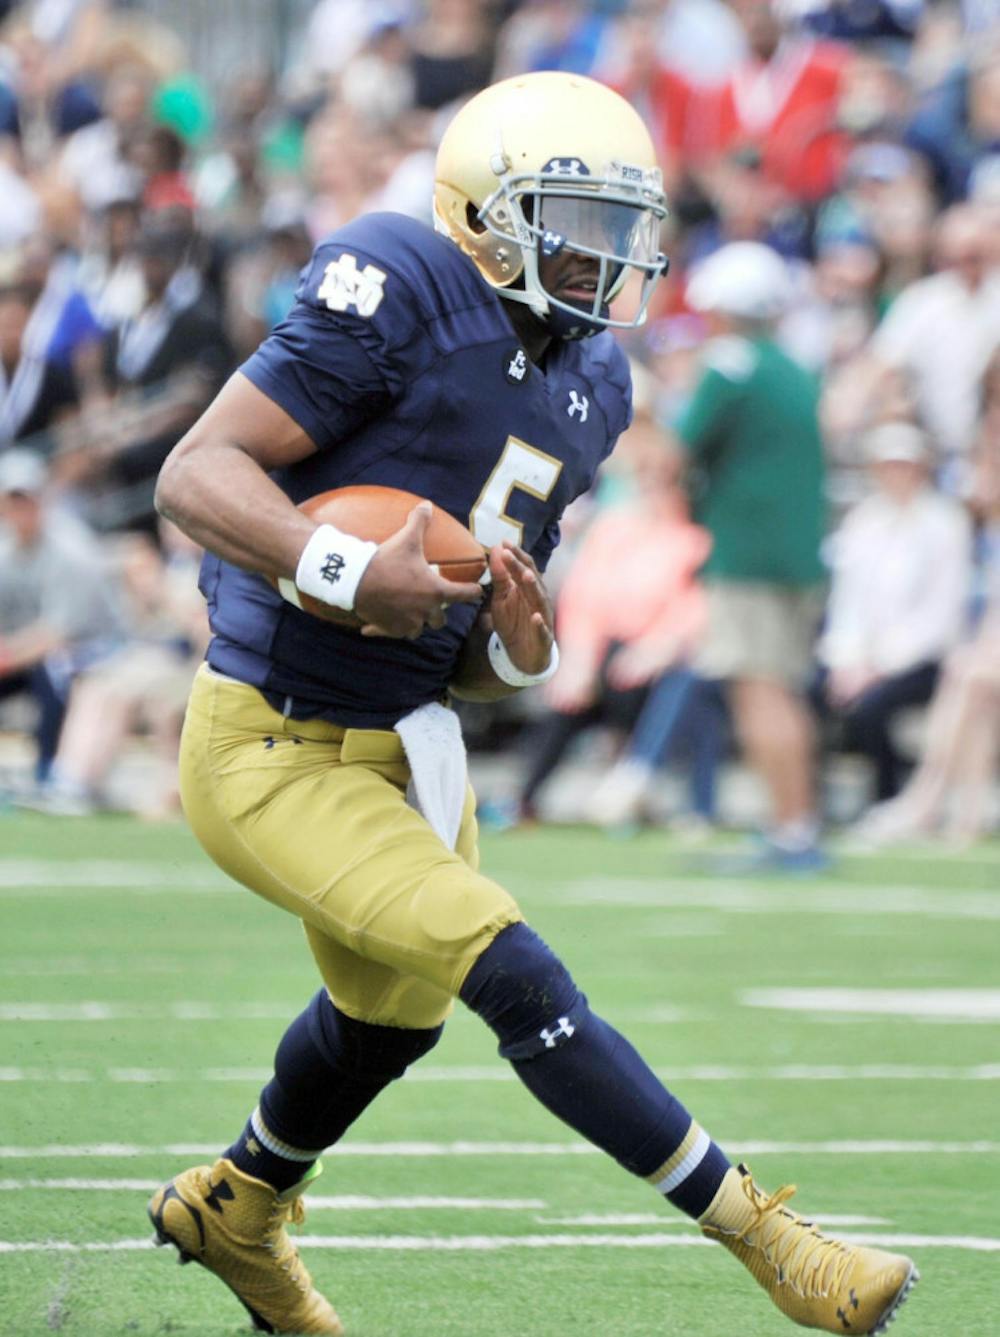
{"points": [[401, 364]]}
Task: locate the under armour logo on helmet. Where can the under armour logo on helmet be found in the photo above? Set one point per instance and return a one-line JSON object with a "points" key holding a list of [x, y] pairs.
{"points": [[566, 167], [563, 1029]]}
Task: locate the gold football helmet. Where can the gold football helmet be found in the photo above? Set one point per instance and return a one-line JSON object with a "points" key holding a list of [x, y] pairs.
{"points": [[548, 162]]}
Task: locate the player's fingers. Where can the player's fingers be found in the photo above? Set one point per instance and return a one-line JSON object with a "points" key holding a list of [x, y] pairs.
{"points": [[459, 592], [499, 574], [525, 558], [401, 628], [412, 533], [519, 572]]}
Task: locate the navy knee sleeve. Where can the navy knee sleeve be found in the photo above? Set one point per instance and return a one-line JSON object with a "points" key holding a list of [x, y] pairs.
{"points": [[525, 994], [581, 1069], [361, 1048], [329, 1067]]}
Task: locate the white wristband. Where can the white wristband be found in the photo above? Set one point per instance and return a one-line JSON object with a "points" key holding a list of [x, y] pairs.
{"points": [[507, 671], [331, 566]]}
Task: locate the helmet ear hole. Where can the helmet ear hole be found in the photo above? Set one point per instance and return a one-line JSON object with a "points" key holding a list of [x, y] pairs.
{"points": [[472, 218]]}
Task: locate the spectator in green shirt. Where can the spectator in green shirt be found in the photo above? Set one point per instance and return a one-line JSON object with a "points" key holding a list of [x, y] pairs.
{"points": [[757, 483]]}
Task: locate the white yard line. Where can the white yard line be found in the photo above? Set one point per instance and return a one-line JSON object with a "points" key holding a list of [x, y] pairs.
{"points": [[90, 1011], [495, 1243], [954, 1006], [472, 1074], [830, 898], [847, 1147], [342, 1202], [656, 1219], [971, 1005], [35, 876], [354, 1202], [26, 877]]}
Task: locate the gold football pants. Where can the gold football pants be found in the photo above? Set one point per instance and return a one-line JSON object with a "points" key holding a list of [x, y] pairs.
{"points": [[314, 818]]}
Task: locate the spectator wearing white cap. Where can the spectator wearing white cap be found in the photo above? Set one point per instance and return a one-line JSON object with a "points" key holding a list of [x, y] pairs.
{"points": [[752, 435], [901, 581], [58, 609]]}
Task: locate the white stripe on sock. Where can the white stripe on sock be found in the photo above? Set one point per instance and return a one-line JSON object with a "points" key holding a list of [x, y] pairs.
{"points": [[687, 1166], [277, 1148]]}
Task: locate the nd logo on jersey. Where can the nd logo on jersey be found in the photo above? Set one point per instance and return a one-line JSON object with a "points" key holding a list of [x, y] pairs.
{"points": [[344, 285]]}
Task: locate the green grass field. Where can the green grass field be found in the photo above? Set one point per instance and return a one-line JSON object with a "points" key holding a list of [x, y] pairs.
{"points": [[142, 995]]}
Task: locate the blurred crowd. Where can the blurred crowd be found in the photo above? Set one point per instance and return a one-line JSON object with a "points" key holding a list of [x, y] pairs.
{"points": [[805, 516]]}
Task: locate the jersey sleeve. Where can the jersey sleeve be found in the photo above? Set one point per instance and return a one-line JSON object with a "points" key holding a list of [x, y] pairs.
{"points": [[611, 379], [347, 348], [547, 543]]}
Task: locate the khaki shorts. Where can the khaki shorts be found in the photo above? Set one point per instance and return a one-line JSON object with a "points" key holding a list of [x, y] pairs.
{"points": [[144, 674], [314, 818], [757, 630]]}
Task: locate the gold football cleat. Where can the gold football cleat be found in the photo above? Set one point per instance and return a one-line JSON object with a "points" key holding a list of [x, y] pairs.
{"points": [[234, 1225], [817, 1281]]}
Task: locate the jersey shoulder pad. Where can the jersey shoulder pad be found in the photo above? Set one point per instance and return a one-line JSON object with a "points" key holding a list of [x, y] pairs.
{"points": [[601, 362], [389, 260], [731, 356]]}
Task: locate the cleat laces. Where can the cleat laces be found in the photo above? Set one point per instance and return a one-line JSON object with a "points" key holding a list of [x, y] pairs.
{"points": [[278, 1244], [805, 1259]]}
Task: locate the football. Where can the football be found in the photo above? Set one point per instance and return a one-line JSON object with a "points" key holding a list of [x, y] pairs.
{"points": [[376, 513]]}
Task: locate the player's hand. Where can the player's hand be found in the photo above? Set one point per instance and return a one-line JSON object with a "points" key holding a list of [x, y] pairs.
{"points": [[520, 608], [400, 592]]}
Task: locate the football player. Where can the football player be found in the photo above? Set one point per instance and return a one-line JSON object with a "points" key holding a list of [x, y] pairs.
{"points": [[472, 365]]}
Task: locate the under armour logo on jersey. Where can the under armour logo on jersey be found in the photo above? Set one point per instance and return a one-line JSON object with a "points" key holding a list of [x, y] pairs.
{"points": [[345, 285], [517, 367], [578, 404], [332, 567], [563, 1029], [566, 167]]}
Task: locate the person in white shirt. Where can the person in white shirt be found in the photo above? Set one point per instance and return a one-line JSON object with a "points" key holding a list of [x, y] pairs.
{"points": [[901, 582], [941, 331], [59, 610], [953, 790]]}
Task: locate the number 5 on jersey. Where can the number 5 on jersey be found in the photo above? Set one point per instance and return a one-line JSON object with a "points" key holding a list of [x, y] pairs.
{"points": [[520, 466]]}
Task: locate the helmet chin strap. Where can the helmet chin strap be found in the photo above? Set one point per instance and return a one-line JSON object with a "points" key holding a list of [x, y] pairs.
{"points": [[571, 325], [557, 321]]}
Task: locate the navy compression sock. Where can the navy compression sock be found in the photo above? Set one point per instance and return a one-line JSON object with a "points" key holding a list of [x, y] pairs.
{"points": [[327, 1070], [588, 1074]]}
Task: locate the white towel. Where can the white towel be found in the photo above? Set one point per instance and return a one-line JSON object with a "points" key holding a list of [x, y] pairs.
{"points": [[432, 740]]}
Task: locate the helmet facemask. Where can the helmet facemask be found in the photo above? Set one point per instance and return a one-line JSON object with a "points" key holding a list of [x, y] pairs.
{"points": [[613, 218]]}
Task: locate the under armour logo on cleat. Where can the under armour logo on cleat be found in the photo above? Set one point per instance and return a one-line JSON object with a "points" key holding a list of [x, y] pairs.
{"points": [[332, 567], [561, 1031], [855, 1303], [220, 1193]]}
